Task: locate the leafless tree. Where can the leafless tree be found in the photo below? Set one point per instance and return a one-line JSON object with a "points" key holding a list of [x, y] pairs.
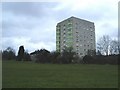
{"points": [[114, 47], [119, 46], [103, 44]]}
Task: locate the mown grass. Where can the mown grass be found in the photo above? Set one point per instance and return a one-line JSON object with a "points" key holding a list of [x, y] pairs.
{"points": [[33, 75], [0, 73]]}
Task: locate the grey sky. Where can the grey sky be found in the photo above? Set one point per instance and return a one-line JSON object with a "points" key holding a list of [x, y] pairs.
{"points": [[33, 24]]}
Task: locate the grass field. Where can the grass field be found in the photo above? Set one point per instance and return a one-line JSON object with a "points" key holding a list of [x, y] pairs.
{"points": [[32, 75]]}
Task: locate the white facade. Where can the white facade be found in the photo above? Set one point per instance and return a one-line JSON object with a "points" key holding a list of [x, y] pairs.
{"points": [[76, 33]]}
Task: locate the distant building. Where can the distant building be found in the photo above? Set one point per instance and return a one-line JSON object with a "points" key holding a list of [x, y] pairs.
{"points": [[76, 33], [36, 55]]}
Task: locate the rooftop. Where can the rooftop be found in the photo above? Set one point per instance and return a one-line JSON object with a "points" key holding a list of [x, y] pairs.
{"points": [[75, 18]]}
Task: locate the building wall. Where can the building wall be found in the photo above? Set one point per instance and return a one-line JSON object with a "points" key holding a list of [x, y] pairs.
{"points": [[76, 33]]}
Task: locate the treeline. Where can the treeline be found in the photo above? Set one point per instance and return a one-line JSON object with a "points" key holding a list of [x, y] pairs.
{"points": [[40, 56], [9, 54], [44, 56], [101, 59], [66, 57]]}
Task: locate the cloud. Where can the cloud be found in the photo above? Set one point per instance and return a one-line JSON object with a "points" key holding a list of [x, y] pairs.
{"points": [[33, 9], [29, 46], [33, 24], [22, 29]]}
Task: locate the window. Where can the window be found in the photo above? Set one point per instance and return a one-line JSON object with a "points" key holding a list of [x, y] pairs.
{"points": [[58, 27], [69, 29], [77, 40], [77, 32], [91, 30], [77, 49], [81, 53], [64, 45], [77, 45], [58, 34], [69, 23], [64, 27]]}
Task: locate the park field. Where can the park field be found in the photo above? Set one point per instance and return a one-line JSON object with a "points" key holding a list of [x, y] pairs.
{"points": [[18, 74]]}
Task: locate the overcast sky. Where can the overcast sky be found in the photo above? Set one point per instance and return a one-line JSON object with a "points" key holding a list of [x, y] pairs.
{"points": [[33, 24]]}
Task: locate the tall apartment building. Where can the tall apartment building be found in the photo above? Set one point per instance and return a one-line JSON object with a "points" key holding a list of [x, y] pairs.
{"points": [[76, 33]]}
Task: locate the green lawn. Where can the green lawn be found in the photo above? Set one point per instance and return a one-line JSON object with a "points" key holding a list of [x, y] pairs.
{"points": [[0, 73], [32, 75]]}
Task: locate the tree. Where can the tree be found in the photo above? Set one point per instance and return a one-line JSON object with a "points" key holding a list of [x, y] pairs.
{"points": [[20, 56], [99, 48], [114, 47], [8, 54], [119, 45], [91, 52], [27, 56], [98, 53], [103, 44], [41, 56], [68, 55], [54, 57], [119, 49], [0, 54]]}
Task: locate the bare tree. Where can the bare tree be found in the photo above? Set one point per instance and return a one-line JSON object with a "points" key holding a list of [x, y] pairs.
{"points": [[118, 46], [114, 47], [99, 48], [103, 44]]}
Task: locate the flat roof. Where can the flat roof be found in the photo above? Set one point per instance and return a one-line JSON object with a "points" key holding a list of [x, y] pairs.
{"points": [[75, 18]]}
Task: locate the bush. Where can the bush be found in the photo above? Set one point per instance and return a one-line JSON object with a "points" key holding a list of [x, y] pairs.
{"points": [[42, 56], [8, 54], [100, 59], [27, 56]]}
